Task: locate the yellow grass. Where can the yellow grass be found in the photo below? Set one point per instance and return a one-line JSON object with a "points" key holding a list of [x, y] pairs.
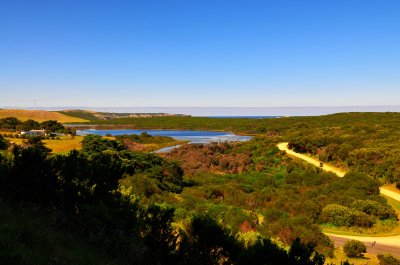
{"points": [[15, 140], [369, 259], [38, 115], [65, 144]]}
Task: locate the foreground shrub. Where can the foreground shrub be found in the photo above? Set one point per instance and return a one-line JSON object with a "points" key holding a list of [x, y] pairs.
{"points": [[354, 249], [388, 259]]}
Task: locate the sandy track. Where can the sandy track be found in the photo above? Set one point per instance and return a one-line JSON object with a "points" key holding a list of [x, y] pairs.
{"points": [[384, 244], [378, 248], [389, 193], [311, 160], [339, 172]]}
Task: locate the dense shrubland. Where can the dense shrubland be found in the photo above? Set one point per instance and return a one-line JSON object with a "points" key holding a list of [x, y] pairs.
{"points": [[364, 142], [270, 193], [209, 204], [77, 196]]}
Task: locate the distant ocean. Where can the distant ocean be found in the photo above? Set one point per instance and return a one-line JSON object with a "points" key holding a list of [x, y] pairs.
{"points": [[233, 112], [245, 117]]}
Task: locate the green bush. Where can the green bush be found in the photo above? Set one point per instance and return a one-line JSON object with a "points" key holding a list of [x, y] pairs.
{"points": [[388, 259], [354, 249], [339, 215], [374, 208]]}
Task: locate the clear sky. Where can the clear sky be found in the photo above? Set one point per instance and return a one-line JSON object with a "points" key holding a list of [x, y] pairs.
{"points": [[194, 53]]}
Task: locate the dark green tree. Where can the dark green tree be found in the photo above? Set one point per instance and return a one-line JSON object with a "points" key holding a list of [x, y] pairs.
{"points": [[52, 126], [29, 125], [354, 249], [9, 123]]}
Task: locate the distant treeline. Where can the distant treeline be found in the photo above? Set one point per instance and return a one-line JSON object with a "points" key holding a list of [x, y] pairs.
{"points": [[364, 142], [11, 124]]}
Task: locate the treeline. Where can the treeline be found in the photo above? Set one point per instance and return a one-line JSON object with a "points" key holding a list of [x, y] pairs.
{"points": [[80, 192], [11, 124], [144, 138]]}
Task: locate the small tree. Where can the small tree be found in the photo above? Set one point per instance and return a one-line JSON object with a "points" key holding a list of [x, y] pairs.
{"points": [[354, 249]]}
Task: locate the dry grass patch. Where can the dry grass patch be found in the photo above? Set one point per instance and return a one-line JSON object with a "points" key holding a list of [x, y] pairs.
{"points": [[38, 115], [65, 144]]}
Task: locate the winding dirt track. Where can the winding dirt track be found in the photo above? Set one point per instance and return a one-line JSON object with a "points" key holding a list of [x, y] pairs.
{"points": [[383, 244]]}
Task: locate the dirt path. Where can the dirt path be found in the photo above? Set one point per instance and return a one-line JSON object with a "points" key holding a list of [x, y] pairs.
{"points": [[384, 244], [377, 248], [339, 172], [389, 193]]}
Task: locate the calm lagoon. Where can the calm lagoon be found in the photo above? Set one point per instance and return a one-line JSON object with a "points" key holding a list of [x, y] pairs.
{"points": [[202, 137]]}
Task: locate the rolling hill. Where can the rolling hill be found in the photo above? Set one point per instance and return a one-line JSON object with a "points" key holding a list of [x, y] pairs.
{"points": [[39, 115]]}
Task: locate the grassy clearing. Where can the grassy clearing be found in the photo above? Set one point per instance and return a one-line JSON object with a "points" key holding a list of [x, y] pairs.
{"points": [[65, 144], [369, 259], [68, 143], [39, 115], [394, 203]]}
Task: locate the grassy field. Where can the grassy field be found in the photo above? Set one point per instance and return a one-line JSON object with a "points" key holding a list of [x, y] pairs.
{"points": [[65, 144], [39, 115], [395, 204], [68, 143]]}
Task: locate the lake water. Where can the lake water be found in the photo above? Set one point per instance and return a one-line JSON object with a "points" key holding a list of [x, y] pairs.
{"points": [[203, 137]]}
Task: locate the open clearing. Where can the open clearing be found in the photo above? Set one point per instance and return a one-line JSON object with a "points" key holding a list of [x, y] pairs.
{"points": [[38, 115], [65, 144]]}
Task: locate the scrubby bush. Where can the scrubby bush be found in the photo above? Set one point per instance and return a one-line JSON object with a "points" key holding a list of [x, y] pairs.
{"points": [[339, 215], [354, 249], [388, 259], [374, 208]]}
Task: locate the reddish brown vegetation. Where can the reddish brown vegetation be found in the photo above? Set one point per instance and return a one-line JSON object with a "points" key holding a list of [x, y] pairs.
{"points": [[216, 157]]}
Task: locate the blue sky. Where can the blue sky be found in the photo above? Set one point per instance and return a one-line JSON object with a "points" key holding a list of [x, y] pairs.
{"points": [[199, 53]]}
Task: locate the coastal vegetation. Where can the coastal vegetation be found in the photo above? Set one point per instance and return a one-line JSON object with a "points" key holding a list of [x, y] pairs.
{"points": [[363, 142], [220, 203], [78, 196]]}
